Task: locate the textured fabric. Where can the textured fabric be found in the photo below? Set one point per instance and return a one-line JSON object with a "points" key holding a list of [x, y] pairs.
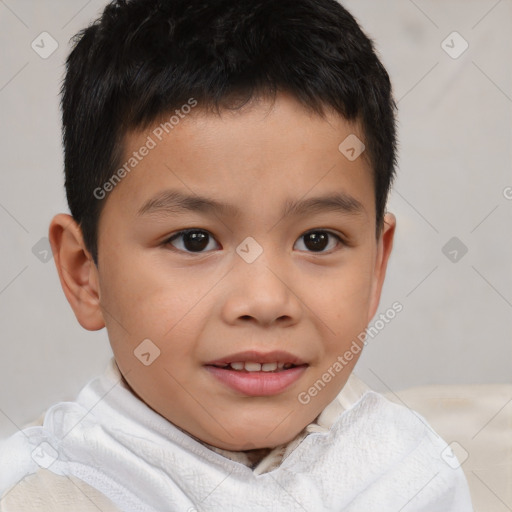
{"points": [[362, 454], [477, 422]]}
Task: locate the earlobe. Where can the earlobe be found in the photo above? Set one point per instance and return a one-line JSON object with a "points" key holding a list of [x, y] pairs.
{"points": [[77, 272], [384, 248]]}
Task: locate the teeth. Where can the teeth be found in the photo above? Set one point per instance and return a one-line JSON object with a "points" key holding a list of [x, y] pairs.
{"points": [[253, 367], [250, 366], [269, 367]]}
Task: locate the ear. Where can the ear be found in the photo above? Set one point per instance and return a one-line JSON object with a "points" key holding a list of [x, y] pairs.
{"points": [[384, 247], [77, 272]]}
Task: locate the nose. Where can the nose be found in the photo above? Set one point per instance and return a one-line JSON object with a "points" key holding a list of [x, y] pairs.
{"points": [[262, 294]]}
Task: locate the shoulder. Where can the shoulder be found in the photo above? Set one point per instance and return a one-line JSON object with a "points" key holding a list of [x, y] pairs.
{"points": [[45, 490], [407, 451], [26, 485]]}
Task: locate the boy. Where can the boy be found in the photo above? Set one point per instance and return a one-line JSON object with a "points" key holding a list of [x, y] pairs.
{"points": [[227, 169]]}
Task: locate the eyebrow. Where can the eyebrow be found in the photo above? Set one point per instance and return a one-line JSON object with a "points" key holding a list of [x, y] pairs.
{"points": [[175, 202]]}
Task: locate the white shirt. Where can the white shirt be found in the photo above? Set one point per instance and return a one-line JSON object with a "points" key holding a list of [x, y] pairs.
{"points": [[362, 454]]}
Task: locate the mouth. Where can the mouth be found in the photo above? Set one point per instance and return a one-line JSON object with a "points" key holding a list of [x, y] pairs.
{"points": [[255, 361], [251, 367], [257, 374]]}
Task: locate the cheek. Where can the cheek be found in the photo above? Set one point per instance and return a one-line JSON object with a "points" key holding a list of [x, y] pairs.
{"points": [[346, 292], [343, 304], [148, 301]]}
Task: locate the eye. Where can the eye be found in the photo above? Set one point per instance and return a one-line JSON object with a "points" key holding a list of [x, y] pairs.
{"points": [[192, 240], [319, 241]]}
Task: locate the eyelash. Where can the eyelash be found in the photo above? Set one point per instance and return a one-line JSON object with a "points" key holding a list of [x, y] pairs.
{"points": [[179, 234]]}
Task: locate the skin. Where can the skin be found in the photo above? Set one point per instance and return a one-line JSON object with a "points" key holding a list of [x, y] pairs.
{"points": [[200, 306]]}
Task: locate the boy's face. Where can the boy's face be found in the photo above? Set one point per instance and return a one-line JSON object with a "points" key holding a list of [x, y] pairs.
{"points": [[203, 297]]}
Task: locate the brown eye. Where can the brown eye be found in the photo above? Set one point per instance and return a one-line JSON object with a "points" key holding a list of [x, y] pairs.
{"points": [[193, 240], [318, 241]]}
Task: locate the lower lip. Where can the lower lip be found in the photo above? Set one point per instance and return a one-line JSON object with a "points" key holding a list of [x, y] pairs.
{"points": [[257, 383]]}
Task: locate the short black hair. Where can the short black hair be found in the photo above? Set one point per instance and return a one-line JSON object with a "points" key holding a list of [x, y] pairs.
{"points": [[144, 58]]}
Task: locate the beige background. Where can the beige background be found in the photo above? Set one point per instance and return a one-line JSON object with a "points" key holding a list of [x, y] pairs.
{"points": [[455, 167]]}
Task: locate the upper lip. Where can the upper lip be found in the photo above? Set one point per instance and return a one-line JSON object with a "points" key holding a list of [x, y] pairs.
{"points": [[254, 356]]}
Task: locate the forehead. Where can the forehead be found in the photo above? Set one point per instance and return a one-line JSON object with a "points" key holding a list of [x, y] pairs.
{"points": [[262, 154]]}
